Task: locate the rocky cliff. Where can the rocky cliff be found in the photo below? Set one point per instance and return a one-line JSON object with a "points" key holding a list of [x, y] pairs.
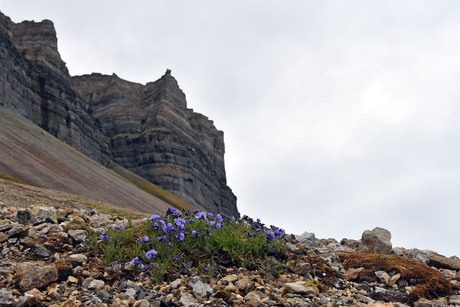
{"points": [[148, 129]]}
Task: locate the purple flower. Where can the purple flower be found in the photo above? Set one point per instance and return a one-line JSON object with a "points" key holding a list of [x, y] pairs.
{"points": [[249, 234], [194, 232], [169, 244], [151, 254], [103, 235], [209, 215], [206, 268], [154, 218], [163, 238], [121, 227], [173, 212], [180, 237], [218, 225], [200, 216], [270, 235], [135, 261], [144, 267], [146, 239]]}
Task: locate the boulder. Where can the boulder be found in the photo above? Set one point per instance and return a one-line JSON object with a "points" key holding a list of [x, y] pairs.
{"points": [[376, 240], [308, 238], [452, 263]]}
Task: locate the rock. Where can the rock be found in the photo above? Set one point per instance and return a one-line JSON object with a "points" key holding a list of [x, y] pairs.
{"points": [[32, 297], [77, 235], [300, 288], [200, 289], [71, 303], [35, 274], [42, 251], [253, 299], [37, 214], [383, 276], [424, 303], [244, 284], [308, 238], [376, 241], [230, 278], [6, 298], [187, 299], [352, 274], [445, 263], [77, 259], [96, 285], [394, 279], [76, 223]]}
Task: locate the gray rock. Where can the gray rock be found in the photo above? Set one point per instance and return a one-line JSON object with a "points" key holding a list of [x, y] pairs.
{"points": [[376, 241], [6, 298], [78, 235], [42, 251], [300, 288], [308, 238], [96, 284], [77, 259], [200, 289], [187, 299]]}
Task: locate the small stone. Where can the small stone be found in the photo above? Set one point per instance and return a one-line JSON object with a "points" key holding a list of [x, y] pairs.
{"points": [[78, 235], [244, 283], [187, 299], [71, 303], [3, 237], [176, 283], [72, 280], [42, 251], [33, 297], [230, 278], [383, 276], [394, 279], [200, 289], [77, 259], [96, 285], [300, 288], [6, 298], [76, 223], [253, 299], [352, 274], [141, 303], [131, 292], [424, 303]]}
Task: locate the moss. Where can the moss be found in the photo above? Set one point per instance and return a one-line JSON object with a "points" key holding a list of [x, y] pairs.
{"points": [[429, 283]]}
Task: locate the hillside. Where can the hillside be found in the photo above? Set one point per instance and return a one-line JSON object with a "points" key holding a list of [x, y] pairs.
{"points": [[30, 155]]}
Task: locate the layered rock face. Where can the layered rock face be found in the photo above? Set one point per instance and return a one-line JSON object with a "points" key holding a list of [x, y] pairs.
{"points": [[148, 129], [35, 82], [151, 132]]}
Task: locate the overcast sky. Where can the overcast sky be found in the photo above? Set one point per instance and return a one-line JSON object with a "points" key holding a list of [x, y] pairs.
{"points": [[338, 116]]}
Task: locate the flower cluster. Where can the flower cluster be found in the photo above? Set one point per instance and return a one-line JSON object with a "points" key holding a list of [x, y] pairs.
{"points": [[168, 238]]}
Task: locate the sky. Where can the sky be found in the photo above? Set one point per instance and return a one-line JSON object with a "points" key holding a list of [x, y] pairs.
{"points": [[338, 116]]}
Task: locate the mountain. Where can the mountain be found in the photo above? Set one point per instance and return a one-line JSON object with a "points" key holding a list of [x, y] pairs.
{"points": [[145, 129]]}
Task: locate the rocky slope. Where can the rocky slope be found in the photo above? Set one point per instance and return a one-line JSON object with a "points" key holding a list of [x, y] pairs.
{"points": [[30, 153], [46, 260], [147, 129]]}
